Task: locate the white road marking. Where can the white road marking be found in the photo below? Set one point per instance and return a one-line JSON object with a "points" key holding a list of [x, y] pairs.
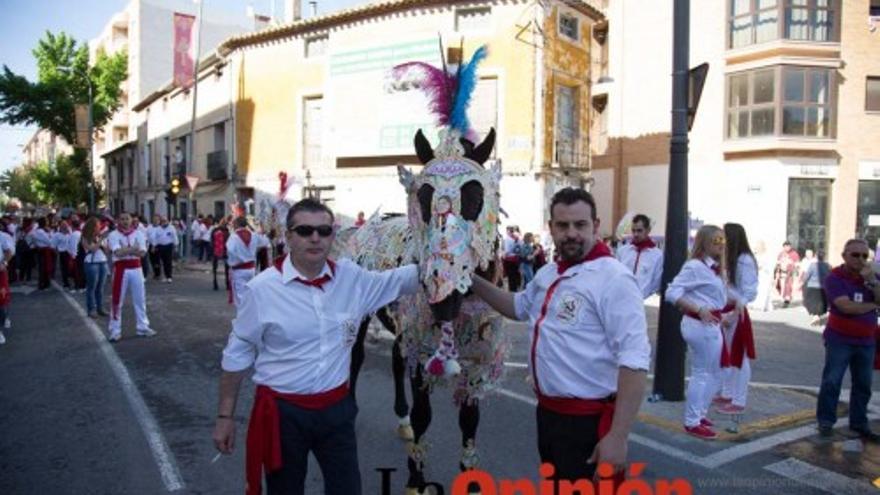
{"points": [[816, 477], [159, 447]]}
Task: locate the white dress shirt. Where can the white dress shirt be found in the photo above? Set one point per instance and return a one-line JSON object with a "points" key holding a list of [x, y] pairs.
{"points": [[237, 252], [299, 337], [61, 241], [118, 240], [584, 325], [164, 236], [745, 288], [699, 284], [650, 266], [7, 243], [73, 242], [41, 239]]}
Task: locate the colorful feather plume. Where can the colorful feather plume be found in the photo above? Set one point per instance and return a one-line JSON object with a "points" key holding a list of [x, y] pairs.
{"points": [[449, 94]]}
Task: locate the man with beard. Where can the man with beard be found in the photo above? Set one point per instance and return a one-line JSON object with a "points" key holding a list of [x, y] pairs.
{"points": [[642, 256], [589, 343]]}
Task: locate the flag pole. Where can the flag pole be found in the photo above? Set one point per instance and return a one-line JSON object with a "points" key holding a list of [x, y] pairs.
{"points": [[192, 123]]}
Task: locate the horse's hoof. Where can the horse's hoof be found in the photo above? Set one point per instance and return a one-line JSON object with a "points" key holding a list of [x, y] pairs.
{"points": [[405, 432]]}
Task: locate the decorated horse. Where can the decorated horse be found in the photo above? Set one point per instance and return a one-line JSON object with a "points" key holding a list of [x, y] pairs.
{"points": [[446, 335]]}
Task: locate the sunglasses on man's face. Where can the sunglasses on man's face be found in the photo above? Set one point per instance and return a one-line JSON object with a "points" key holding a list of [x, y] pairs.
{"points": [[863, 256], [308, 230]]}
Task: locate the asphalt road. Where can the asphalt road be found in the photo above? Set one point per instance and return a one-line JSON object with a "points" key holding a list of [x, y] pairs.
{"points": [[69, 425]]}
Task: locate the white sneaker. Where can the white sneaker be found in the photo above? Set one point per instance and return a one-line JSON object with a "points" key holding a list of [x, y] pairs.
{"points": [[147, 332], [7, 323], [116, 337], [167, 280], [2, 339]]}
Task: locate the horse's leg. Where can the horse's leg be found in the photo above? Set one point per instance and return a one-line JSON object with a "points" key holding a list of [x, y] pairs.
{"points": [[468, 420], [421, 418], [398, 371], [357, 357]]}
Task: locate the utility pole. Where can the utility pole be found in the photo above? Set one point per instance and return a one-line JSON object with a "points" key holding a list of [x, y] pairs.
{"points": [[669, 365], [192, 122], [91, 152]]}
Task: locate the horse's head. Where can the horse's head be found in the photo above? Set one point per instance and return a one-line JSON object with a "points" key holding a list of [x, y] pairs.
{"points": [[453, 212]]}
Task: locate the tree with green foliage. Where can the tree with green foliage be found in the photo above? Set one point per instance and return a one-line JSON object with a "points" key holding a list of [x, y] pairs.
{"points": [[63, 77]]}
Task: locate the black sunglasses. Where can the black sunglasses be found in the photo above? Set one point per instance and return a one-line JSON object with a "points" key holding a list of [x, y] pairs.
{"points": [[863, 256], [308, 230]]}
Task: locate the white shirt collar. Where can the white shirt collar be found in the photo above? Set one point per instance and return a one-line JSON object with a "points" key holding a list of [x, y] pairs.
{"points": [[289, 272]]}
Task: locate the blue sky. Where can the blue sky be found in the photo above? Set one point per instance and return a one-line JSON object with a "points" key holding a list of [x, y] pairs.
{"points": [[24, 22]]}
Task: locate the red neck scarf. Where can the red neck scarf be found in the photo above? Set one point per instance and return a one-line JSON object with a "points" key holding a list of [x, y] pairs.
{"points": [[315, 282], [645, 244], [600, 250], [125, 232], [245, 236]]}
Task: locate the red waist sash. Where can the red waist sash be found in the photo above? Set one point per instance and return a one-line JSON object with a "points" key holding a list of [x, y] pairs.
{"points": [[725, 352], [572, 406], [244, 266], [264, 429]]}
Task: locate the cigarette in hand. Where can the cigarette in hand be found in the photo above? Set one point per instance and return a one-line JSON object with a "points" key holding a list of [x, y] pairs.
{"points": [[216, 457]]}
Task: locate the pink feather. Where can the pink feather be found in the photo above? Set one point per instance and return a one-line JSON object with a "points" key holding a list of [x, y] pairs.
{"points": [[439, 86]]}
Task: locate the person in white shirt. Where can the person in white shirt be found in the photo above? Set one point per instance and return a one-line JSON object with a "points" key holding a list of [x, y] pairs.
{"points": [[61, 241], [699, 291], [241, 256], [510, 262], [296, 326], [41, 240], [76, 266], [642, 256], [164, 241], [94, 248], [589, 344], [742, 287], [152, 247], [128, 246], [195, 232], [7, 251]]}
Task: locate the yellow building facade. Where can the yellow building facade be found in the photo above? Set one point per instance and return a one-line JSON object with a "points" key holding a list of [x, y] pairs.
{"points": [[315, 99]]}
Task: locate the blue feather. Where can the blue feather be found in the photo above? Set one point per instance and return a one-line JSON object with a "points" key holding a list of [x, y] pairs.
{"points": [[467, 82]]}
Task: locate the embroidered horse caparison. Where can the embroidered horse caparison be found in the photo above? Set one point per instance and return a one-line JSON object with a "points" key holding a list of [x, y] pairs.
{"points": [[445, 334]]}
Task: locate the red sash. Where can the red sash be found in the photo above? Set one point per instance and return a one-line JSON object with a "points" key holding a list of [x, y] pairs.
{"points": [[264, 430], [725, 352], [119, 267], [743, 343], [48, 261]]}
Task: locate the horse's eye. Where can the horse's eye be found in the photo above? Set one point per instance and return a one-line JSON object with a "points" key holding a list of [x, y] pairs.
{"points": [[471, 200], [425, 196]]}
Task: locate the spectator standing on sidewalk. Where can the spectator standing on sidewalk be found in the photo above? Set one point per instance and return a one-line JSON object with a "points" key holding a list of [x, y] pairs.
{"points": [[699, 291], [786, 272], [527, 258], [812, 280], [94, 248], [296, 326], [590, 348], [195, 233], [510, 262], [742, 287], [642, 256], [853, 290]]}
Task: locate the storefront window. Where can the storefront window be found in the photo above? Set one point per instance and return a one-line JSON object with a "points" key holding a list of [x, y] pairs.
{"points": [[868, 213], [808, 207]]}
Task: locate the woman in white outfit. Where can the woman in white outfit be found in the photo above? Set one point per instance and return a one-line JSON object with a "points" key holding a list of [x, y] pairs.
{"points": [[699, 291], [742, 287]]}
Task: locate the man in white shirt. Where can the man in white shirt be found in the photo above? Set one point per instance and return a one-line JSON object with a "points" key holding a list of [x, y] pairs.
{"points": [[128, 246], [241, 255], [589, 351], [195, 233], [642, 256], [296, 326], [41, 240], [164, 240]]}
